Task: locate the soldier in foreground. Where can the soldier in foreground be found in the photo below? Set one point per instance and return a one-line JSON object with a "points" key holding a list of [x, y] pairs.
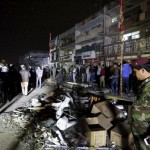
{"points": [[141, 106]]}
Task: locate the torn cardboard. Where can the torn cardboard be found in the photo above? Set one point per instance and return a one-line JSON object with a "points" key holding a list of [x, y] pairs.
{"points": [[121, 135], [107, 109], [101, 120]]}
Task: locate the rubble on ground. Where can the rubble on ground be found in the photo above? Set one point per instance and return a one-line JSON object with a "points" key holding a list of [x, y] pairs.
{"points": [[70, 118]]}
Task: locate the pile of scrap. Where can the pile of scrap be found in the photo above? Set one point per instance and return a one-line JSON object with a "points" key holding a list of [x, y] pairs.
{"points": [[71, 119], [49, 121]]}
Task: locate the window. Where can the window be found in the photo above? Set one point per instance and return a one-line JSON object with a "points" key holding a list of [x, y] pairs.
{"points": [[130, 36], [114, 19]]}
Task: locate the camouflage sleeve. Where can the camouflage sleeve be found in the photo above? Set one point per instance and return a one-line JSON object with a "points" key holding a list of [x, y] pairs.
{"points": [[141, 114]]}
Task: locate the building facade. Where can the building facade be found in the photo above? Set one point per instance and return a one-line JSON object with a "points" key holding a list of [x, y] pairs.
{"points": [[97, 38], [136, 34], [67, 48], [54, 52], [89, 38]]}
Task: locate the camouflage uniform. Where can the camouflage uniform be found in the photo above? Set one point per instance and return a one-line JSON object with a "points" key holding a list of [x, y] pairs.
{"points": [[141, 116]]}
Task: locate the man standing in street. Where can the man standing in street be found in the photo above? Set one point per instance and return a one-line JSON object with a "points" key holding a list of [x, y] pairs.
{"points": [[25, 74], [54, 72], [115, 80], [102, 76], [5, 85], [39, 74], [83, 73], [98, 72], [74, 73], [141, 107], [126, 71]]}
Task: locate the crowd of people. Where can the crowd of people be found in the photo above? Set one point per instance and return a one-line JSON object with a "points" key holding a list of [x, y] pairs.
{"points": [[103, 76], [135, 77], [21, 79], [15, 79]]}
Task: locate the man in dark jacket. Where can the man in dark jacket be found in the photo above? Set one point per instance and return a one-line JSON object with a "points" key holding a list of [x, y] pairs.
{"points": [[83, 73], [115, 80], [59, 77]]}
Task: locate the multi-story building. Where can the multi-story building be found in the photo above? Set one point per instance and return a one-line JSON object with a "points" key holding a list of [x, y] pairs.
{"points": [[136, 34], [89, 38], [54, 52], [97, 38], [67, 48]]}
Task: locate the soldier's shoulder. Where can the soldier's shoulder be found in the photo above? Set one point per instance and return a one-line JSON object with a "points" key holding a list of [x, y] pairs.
{"points": [[147, 89]]}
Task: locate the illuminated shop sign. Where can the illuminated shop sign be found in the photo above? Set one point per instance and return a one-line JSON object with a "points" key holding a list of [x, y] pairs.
{"points": [[89, 55]]}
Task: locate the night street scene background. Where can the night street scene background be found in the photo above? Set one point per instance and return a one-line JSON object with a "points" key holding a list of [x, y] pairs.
{"points": [[26, 24], [67, 79]]}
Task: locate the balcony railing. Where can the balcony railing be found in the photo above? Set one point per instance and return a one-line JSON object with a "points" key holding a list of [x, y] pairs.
{"points": [[91, 34], [94, 47], [91, 24], [130, 47]]}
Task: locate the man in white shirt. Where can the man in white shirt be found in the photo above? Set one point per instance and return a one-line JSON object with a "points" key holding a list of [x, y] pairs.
{"points": [[39, 74]]}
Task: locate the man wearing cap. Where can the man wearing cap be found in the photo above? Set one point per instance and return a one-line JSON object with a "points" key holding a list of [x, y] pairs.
{"points": [[25, 75], [141, 107]]}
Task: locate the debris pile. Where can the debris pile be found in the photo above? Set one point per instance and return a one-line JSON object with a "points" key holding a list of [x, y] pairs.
{"points": [[73, 117]]}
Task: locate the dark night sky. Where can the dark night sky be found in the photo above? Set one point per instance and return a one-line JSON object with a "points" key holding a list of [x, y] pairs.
{"points": [[25, 24]]}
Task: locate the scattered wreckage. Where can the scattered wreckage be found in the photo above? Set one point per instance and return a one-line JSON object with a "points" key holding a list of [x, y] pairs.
{"points": [[74, 117]]}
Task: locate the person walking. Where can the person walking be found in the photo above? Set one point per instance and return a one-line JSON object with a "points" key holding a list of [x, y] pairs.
{"points": [[141, 106], [115, 80], [126, 71], [25, 75], [39, 74]]}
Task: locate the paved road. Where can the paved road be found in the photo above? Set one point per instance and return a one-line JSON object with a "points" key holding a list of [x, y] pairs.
{"points": [[8, 138]]}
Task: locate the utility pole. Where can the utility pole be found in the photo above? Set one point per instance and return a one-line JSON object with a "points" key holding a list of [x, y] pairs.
{"points": [[121, 19], [50, 51], [104, 24], [50, 46]]}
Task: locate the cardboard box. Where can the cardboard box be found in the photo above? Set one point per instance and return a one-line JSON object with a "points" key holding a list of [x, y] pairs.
{"points": [[101, 120], [96, 135], [109, 110], [121, 135]]}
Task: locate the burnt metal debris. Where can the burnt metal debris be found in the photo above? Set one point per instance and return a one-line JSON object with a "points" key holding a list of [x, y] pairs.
{"points": [[55, 120]]}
